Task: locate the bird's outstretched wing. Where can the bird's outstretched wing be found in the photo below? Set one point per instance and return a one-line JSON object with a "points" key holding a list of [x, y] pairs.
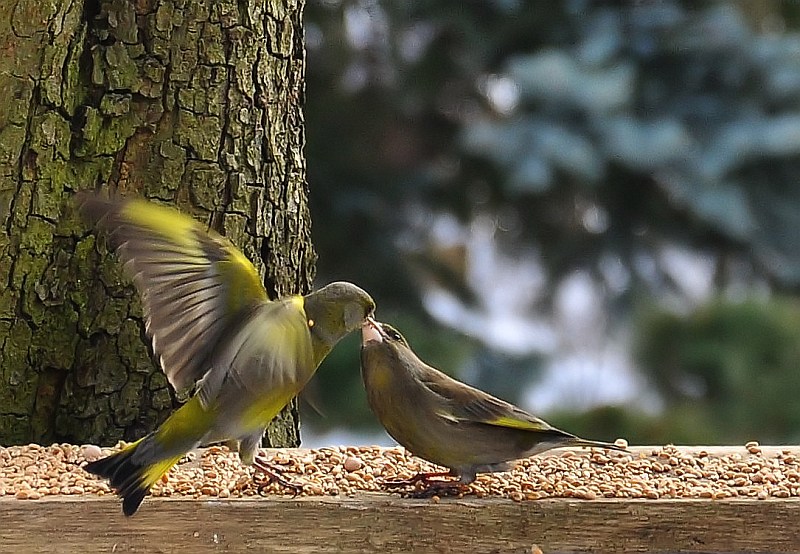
{"points": [[192, 281]]}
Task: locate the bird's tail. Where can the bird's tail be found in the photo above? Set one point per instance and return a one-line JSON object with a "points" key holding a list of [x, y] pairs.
{"points": [[577, 441], [138, 466], [132, 471]]}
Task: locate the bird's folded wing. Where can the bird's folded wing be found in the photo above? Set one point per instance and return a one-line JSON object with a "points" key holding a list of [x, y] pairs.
{"points": [[192, 281], [468, 404]]}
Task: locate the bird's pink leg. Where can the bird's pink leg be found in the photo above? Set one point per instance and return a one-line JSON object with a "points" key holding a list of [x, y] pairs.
{"points": [[275, 473], [426, 477], [430, 486]]}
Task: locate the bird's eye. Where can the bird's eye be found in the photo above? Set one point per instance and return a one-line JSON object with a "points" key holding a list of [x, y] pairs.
{"points": [[394, 335]]}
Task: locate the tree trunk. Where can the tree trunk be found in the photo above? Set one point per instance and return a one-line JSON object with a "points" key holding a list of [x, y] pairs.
{"points": [[196, 102]]}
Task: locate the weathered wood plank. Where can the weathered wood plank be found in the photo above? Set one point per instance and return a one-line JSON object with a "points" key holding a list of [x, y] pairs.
{"points": [[385, 523]]}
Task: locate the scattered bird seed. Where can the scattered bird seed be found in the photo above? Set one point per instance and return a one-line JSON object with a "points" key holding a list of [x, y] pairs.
{"points": [[91, 452], [352, 463], [32, 472]]}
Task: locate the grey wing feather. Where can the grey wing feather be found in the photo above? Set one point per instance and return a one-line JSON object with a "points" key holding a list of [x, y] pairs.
{"points": [[183, 278], [184, 315], [466, 403]]}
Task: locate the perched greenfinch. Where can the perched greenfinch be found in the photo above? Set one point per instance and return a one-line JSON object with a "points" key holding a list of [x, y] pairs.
{"points": [[445, 421], [213, 326]]}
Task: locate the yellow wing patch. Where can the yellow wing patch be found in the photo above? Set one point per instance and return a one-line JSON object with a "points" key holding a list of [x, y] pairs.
{"points": [[515, 423], [298, 302], [239, 273], [243, 278], [167, 221]]}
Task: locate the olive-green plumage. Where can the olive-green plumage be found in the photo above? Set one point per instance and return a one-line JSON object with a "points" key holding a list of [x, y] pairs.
{"points": [[213, 326], [443, 420]]}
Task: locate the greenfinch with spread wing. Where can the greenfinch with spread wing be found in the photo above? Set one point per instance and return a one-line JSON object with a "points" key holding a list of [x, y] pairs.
{"points": [[212, 326], [445, 421]]}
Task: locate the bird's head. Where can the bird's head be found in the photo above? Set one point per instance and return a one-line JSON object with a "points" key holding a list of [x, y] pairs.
{"points": [[377, 332], [384, 351], [335, 310]]}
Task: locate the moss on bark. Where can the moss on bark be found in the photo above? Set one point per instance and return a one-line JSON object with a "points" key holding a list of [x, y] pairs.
{"points": [[192, 102]]}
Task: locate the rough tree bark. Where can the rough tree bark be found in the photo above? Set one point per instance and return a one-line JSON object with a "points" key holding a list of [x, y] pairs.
{"points": [[196, 102]]}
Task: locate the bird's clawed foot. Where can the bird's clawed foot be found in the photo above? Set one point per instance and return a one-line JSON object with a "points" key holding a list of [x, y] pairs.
{"points": [[426, 478], [440, 488], [426, 485], [274, 474]]}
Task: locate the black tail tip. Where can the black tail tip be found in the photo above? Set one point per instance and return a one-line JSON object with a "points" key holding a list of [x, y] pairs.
{"points": [[125, 478], [132, 500], [104, 467]]}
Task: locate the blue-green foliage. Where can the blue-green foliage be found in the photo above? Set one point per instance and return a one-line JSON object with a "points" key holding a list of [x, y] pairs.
{"points": [[602, 131], [673, 121], [735, 366]]}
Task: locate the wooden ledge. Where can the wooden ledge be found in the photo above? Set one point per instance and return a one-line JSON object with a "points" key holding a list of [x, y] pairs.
{"points": [[387, 523]]}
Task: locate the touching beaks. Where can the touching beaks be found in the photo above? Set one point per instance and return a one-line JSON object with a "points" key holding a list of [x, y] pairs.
{"points": [[371, 331]]}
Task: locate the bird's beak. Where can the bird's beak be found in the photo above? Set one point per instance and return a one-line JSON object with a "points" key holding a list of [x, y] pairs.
{"points": [[371, 331]]}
